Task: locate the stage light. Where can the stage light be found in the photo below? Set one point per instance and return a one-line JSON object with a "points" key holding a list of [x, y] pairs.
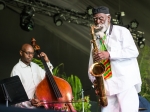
{"points": [[134, 37], [2, 5], [141, 44], [115, 21], [122, 14], [140, 39], [57, 20], [89, 10], [119, 16], [140, 35], [26, 21], [134, 24]]}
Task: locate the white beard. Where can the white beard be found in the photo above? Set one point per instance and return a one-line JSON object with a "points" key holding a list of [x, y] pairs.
{"points": [[100, 33], [103, 28]]}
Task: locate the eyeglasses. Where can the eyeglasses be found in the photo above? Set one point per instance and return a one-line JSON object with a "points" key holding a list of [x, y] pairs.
{"points": [[28, 53], [97, 18]]}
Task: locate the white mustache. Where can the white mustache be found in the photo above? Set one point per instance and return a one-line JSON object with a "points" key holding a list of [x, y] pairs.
{"points": [[99, 27]]}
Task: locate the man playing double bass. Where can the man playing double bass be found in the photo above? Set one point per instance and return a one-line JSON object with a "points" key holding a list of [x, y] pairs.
{"points": [[30, 74]]}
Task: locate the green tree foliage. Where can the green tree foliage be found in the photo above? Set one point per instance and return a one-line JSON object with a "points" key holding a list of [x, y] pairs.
{"points": [[144, 65], [39, 62], [59, 71], [76, 85]]}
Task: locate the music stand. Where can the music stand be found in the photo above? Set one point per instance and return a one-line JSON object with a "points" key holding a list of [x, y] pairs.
{"points": [[12, 91]]}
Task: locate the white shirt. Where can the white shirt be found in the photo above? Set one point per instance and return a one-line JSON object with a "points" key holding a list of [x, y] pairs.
{"points": [[30, 76], [123, 59]]}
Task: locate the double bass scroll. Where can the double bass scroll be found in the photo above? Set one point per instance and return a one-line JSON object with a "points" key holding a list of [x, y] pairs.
{"points": [[53, 92]]}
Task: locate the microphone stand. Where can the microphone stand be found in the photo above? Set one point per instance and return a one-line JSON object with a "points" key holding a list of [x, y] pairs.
{"points": [[5, 93], [6, 101], [82, 92], [82, 100]]}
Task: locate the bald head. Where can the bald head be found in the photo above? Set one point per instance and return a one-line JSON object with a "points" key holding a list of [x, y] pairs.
{"points": [[26, 46]]}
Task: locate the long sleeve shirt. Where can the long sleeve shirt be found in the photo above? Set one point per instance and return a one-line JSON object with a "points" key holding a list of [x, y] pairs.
{"points": [[123, 59], [30, 77]]}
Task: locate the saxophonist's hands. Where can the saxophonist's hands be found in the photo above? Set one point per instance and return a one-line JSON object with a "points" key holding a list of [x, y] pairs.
{"points": [[100, 55]]}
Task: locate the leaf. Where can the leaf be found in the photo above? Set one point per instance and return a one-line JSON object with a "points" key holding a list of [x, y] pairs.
{"points": [[38, 62]]}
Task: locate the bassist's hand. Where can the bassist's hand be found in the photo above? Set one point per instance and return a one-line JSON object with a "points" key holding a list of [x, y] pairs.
{"points": [[42, 54], [36, 102]]}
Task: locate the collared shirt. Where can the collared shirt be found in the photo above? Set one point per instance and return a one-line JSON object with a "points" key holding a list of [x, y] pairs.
{"points": [[123, 59], [30, 76]]}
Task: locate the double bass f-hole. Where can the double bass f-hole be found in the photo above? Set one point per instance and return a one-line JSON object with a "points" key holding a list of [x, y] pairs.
{"points": [[53, 92]]}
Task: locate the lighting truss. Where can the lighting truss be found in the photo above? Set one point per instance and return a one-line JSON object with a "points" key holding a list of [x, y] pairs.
{"points": [[50, 10], [72, 16]]}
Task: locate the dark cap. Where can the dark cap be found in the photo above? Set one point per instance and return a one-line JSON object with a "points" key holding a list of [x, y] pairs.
{"points": [[100, 9]]}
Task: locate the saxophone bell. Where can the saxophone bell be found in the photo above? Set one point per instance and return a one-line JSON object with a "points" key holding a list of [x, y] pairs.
{"points": [[97, 69]]}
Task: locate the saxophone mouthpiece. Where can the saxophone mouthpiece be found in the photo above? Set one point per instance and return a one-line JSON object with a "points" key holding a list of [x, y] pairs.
{"points": [[98, 28]]}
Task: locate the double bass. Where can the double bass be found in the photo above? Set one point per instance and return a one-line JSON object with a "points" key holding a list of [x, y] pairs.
{"points": [[53, 92]]}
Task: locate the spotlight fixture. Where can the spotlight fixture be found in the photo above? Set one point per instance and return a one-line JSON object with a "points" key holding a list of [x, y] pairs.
{"points": [[89, 10], [122, 13], [115, 21], [57, 20], [2, 5], [119, 16], [26, 21], [134, 37], [134, 24], [141, 39], [141, 44], [138, 36]]}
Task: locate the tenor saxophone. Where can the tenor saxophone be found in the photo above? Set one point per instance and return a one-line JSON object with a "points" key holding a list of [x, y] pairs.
{"points": [[97, 69]]}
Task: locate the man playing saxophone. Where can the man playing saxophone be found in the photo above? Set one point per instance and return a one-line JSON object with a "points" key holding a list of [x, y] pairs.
{"points": [[118, 52]]}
